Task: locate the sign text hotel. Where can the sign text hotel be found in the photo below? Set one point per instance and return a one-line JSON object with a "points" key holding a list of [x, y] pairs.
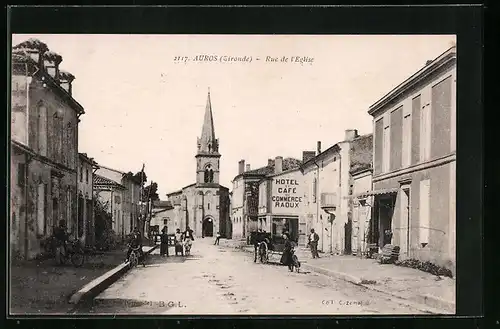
{"points": [[286, 193]]}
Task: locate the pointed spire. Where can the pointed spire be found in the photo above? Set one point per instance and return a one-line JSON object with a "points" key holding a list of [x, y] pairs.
{"points": [[207, 139]]}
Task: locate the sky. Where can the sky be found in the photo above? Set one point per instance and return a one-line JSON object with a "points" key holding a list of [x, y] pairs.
{"points": [[143, 106]]}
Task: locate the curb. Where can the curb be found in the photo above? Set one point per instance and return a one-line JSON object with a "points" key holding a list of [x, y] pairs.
{"points": [[99, 284], [435, 304], [330, 273]]}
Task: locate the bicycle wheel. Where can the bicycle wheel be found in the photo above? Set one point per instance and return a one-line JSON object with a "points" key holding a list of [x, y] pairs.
{"points": [[77, 258], [133, 260]]}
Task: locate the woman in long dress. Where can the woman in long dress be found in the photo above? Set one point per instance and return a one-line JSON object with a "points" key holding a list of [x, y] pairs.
{"points": [[286, 258]]}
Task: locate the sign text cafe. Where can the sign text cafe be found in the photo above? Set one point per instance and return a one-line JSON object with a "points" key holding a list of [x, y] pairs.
{"points": [[286, 193]]}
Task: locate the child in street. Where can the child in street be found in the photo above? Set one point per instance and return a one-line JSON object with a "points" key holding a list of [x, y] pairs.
{"points": [[217, 239]]}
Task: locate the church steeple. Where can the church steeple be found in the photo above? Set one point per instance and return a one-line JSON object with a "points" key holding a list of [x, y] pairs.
{"points": [[207, 143], [207, 157]]}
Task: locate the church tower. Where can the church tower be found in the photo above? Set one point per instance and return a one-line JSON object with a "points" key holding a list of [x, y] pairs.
{"points": [[207, 157]]}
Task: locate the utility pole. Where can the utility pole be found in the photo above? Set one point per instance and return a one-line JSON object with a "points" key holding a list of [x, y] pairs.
{"points": [[141, 193]]}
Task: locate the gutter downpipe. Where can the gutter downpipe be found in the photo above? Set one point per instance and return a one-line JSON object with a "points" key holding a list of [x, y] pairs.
{"points": [[29, 158], [318, 201], [92, 226]]}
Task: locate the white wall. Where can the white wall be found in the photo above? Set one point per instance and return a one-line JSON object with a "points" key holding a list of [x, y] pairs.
{"points": [[361, 212]]}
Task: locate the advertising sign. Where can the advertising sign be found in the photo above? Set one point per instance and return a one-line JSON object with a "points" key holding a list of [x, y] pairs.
{"points": [[287, 195]]}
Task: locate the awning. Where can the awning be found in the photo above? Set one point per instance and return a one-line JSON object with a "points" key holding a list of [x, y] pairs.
{"points": [[375, 192]]}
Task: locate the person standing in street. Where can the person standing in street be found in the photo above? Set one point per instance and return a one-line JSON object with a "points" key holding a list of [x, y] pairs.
{"points": [[164, 242], [286, 258], [217, 239], [313, 243], [178, 243]]}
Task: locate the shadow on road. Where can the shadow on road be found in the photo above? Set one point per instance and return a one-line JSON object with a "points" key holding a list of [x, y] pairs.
{"points": [[157, 259]]}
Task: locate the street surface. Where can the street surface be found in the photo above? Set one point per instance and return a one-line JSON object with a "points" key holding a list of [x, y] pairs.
{"points": [[219, 280]]}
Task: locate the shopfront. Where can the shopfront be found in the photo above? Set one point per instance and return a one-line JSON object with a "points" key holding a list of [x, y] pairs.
{"points": [[286, 200], [286, 224]]}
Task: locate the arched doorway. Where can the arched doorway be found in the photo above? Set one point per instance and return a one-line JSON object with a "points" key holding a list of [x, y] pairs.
{"points": [[208, 227]]}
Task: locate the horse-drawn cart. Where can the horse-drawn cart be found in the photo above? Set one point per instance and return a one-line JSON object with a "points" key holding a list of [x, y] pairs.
{"points": [[270, 248]]}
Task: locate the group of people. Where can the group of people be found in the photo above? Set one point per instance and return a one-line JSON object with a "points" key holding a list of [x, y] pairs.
{"points": [[182, 241]]}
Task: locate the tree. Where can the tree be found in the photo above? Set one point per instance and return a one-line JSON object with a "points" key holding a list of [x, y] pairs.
{"points": [[151, 193], [138, 175], [104, 235]]}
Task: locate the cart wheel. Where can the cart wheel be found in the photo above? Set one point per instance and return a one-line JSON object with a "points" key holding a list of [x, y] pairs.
{"points": [[264, 253]]}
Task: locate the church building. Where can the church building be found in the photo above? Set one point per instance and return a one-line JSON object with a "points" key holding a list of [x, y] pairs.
{"points": [[204, 205]]}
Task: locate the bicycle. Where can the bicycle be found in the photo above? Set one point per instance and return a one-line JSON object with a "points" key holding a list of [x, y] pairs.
{"points": [[135, 257], [64, 251]]}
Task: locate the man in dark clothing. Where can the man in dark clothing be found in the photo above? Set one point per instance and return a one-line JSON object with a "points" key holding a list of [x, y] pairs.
{"points": [[313, 243], [164, 242], [135, 243], [61, 235]]}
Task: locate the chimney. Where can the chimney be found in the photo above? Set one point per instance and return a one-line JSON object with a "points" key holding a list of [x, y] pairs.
{"points": [[350, 134], [319, 147], [270, 162], [278, 165], [308, 155], [241, 167], [248, 167]]}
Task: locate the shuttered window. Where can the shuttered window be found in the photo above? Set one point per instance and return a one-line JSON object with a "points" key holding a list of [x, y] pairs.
{"points": [[386, 150], [379, 131], [406, 150], [425, 127]]}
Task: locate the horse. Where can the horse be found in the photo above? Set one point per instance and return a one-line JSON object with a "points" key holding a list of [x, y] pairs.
{"points": [[256, 238]]}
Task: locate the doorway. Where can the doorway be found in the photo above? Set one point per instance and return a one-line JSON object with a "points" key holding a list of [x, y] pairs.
{"points": [[405, 220], [348, 235], [208, 227], [55, 212], [385, 212]]}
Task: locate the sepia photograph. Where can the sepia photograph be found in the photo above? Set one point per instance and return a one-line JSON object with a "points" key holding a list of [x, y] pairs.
{"points": [[204, 174]]}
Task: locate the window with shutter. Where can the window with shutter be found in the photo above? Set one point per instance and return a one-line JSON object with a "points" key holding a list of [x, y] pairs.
{"points": [[406, 151], [386, 150]]}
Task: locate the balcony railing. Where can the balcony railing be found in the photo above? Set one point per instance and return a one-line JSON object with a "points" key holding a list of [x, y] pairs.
{"points": [[329, 200]]}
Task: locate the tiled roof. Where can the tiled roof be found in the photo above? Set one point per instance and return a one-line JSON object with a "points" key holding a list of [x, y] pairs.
{"points": [[103, 181], [162, 204], [288, 164]]}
